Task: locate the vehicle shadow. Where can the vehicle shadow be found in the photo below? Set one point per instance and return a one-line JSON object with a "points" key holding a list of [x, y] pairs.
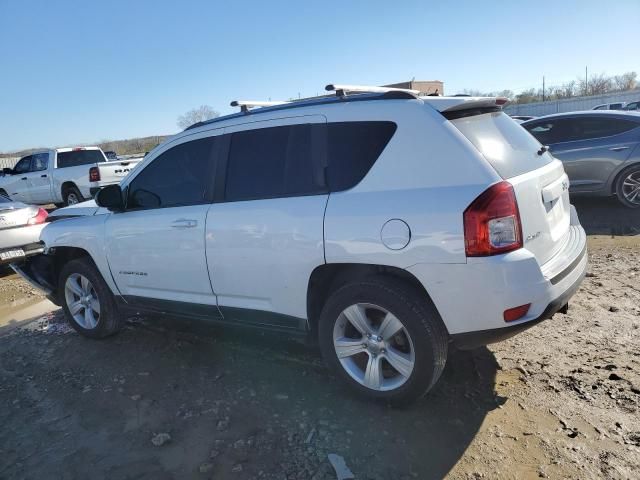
{"points": [[606, 216], [211, 387], [425, 439]]}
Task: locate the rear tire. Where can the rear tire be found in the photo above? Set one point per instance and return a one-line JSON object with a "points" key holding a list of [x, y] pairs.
{"points": [[4, 193], [396, 368], [87, 301], [628, 187], [71, 195]]}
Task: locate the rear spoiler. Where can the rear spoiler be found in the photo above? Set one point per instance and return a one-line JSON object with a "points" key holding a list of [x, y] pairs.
{"points": [[454, 104]]}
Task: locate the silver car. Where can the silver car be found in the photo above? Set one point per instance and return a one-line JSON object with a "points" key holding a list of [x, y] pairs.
{"points": [[20, 227], [600, 151]]}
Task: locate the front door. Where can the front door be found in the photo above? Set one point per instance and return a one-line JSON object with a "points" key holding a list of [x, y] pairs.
{"points": [[17, 185], [156, 247]]}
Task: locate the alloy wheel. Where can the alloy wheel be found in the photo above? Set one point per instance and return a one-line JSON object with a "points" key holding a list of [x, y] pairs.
{"points": [[631, 188], [82, 301], [373, 346]]}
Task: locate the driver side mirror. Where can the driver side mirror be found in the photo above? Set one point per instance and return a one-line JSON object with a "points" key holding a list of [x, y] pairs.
{"points": [[110, 197], [7, 171]]}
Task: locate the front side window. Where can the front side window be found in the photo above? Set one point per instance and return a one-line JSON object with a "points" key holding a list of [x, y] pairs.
{"points": [[40, 162], [274, 162], [23, 166], [74, 158], [180, 176]]}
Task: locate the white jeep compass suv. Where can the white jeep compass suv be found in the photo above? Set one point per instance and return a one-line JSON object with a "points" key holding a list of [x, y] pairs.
{"points": [[387, 225]]}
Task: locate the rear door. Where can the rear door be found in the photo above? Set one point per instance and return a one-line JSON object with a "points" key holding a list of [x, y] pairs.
{"points": [[39, 180], [156, 248], [265, 232], [539, 181], [591, 147]]}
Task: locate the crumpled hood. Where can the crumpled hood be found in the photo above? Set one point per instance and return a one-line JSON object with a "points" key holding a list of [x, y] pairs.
{"points": [[82, 209]]}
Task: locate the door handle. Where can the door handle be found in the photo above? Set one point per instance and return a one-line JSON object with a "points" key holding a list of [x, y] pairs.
{"points": [[618, 149], [184, 223], [23, 178], [43, 176]]}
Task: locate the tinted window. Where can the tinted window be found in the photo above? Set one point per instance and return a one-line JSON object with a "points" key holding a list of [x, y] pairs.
{"points": [[79, 157], [179, 176], [274, 162], [353, 148], [601, 107], [548, 132], [23, 166], [40, 162], [633, 106], [584, 128]]}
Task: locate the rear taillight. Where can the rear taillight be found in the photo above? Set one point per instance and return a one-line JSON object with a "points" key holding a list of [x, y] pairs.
{"points": [[38, 218], [492, 222], [94, 174]]}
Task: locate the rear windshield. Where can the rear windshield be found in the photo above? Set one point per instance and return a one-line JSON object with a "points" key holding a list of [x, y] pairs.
{"points": [[508, 147], [79, 157]]}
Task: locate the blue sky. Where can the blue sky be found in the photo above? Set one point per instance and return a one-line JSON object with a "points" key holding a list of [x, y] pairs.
{"points": [[85, 71]]}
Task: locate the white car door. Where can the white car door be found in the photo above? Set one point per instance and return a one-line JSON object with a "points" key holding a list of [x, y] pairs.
{"points": [[38, 179], [265, 230], [17, 186], [156, 248]]}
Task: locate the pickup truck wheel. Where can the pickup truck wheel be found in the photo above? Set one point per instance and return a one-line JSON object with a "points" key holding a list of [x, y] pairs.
{"points": [[72, 196], [87, 300], [384, 339], [628, 187]]}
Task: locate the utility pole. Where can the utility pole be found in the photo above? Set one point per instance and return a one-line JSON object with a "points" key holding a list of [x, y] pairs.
{"points": [[543, 88], [586, 82]]}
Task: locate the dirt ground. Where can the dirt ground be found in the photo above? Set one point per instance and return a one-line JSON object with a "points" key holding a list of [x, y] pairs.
{"points": [[169, 399]]}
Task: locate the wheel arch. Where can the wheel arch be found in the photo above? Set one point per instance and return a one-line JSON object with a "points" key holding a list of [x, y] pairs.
{"points": [[327, 278], [629, 164]]}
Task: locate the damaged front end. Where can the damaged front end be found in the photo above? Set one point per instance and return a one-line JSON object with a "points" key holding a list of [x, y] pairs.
{"points": [[39, 271]]}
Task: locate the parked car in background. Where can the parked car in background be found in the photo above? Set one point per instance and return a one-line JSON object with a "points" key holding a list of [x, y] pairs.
{"points": [[111, 155], [334, 217], [103, 174], [632, 106], [600, 151], [60, 176], [610, 106], [20, 227]]}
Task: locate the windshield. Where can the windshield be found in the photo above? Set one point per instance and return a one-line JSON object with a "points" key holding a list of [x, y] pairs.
{"points": [[509, 148]]}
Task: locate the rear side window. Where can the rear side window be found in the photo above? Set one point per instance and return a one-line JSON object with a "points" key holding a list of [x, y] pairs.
{"points": [[180, 176], [40, 162], [503, 142], [585, 128], [79, 157], [549, 132], [352, 149], [274, 162]]}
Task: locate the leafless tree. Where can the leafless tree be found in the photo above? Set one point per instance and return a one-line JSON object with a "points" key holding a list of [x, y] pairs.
{"points": [[626, 81], [200, 114]]}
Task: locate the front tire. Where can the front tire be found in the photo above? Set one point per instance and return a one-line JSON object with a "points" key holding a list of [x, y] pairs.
{"points": [[628, 187], [384, 339], [87, 301]]}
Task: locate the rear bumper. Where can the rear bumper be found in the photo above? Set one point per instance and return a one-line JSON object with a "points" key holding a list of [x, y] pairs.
{"points": [[469, 340], [26, 238], [472, 297]]}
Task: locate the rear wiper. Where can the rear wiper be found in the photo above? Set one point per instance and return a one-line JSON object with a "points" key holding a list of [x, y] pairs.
{"points": [[543, 149]]}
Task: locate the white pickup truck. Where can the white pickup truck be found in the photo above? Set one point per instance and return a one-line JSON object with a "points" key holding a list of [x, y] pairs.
{"points": [[63, 176]]}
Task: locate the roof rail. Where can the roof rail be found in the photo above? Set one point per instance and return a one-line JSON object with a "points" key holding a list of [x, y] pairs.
{"points": [[245, 105], [342, 90]]}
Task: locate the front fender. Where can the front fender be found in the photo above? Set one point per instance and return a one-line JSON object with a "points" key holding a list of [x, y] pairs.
{"points": [[85, 233]]}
